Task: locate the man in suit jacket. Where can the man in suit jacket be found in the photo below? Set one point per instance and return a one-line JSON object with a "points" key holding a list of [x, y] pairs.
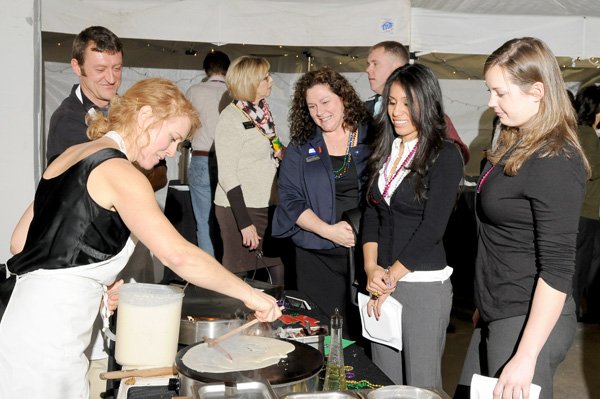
{"points": [[383, 59]]}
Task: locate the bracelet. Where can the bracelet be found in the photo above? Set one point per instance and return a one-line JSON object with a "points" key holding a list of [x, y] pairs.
{"points": [[387, 271]]}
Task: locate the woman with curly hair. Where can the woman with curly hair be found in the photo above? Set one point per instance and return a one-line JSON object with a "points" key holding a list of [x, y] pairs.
{"points": [[414, 179], [321, 177]]}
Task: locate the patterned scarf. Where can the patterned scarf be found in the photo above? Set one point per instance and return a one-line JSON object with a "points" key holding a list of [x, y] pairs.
{"points": [[263, 120], [260, 114]]}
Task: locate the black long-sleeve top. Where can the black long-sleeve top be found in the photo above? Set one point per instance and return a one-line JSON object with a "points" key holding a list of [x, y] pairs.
{"points": [[411, 231], [527, 230]]}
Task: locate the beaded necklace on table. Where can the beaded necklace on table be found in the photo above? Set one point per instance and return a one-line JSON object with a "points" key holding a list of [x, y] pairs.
{"points": [[341, 172], [390, 179]]}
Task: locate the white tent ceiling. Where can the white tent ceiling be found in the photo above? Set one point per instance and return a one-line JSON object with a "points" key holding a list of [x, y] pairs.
{"points": [[451, 36], [272, 22], [513, 7], [570, 27]]}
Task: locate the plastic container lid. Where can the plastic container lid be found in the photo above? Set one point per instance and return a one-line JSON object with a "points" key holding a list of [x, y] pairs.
{"points": [[142, 294]]}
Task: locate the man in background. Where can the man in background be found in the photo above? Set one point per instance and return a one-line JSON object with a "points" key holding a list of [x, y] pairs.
{"points": [[383, 59], [97, 59], [209, 98]]}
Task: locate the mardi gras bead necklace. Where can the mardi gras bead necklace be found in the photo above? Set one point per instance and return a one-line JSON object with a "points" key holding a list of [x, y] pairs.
{"points": [[341, 172], [389, 180]]}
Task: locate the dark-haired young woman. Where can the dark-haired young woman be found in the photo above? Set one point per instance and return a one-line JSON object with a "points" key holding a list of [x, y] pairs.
{"points": [[414, 179]]}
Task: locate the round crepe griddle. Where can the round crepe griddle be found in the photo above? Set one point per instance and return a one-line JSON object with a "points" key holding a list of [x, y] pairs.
{"points": [[303, 362]]}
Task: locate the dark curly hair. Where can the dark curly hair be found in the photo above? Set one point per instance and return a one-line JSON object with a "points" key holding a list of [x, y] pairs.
{"points": [[302, 125]]}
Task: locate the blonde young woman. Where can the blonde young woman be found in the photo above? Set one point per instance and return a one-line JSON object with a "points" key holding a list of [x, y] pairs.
{"points": [[529, 198], [248, 152], [73, 240]]}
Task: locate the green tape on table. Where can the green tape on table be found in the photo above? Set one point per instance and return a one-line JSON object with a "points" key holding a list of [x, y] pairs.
{"points": [[345, 343]]}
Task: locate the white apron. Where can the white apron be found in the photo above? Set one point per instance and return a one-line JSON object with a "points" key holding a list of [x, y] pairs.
{"points": [[48, 325]]}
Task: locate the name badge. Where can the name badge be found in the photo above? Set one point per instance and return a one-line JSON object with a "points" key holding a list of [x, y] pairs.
{"points": [[248, 125], [312, 158]]}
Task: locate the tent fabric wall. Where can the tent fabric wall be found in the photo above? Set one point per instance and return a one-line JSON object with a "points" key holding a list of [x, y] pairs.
{"points": [[465, 101], [59, 79], [570, 27], [19, 112]]}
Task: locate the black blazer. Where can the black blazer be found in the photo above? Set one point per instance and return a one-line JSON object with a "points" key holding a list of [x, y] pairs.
{"points": [[408, 230], [306, 182]]}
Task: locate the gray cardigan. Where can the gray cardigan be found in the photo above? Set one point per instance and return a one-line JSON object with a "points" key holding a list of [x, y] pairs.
{"points": [[244, 160]]}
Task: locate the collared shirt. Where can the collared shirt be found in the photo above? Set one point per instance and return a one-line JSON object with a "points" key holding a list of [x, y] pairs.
{"points": [[378, 105], [209, 98], [88, 104]]}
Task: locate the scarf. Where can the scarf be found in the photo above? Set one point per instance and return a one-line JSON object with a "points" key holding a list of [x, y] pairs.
{"points": [[260, 115]]}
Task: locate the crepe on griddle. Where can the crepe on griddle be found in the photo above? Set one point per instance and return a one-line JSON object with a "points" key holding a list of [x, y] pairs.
{"points": [[248, 353]]}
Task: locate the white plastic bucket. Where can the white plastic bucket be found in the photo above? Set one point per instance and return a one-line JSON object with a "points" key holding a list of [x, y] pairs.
{"points": [[148, 319]]}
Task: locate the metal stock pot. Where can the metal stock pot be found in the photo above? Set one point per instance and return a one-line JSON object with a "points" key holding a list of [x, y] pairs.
{"points": [[192, 329]]}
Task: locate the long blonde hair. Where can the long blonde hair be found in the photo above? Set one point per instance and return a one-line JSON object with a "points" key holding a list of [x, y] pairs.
{"points": [[162, 95], [553, 129]]}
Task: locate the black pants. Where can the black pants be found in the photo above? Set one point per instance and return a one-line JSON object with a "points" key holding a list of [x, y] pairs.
{"points": [[587, 263], [323, 276]]}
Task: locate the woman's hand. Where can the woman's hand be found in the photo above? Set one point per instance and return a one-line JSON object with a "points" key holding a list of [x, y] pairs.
{"points": [[279, 154], [379, 281], [113, 295], [475, 318], [375, 304], [380, 285], [516, 377], [250, 237], [265, 306], [342, 234]]}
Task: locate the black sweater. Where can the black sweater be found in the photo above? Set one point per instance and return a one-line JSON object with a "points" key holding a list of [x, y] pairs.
{"points": [[67, 125], [527, 229], [410, 231]]}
